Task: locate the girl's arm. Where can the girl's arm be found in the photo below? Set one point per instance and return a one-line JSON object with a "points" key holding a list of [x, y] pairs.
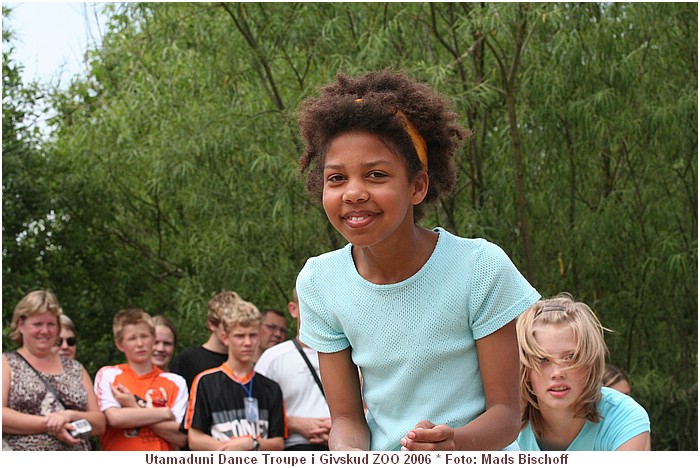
{"points": [[499, 425], [639, 442], [341, 383]]}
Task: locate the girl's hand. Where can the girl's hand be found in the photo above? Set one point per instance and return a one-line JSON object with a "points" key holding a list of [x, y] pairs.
{"points": [[428, 436]]}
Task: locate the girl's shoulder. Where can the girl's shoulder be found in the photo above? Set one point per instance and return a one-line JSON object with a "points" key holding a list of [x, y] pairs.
{"points": [[476, 243], [613, 401], [477, 249], [328, 262], [332, 256]]}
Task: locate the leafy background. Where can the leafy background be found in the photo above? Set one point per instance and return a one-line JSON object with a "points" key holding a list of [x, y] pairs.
{"points": [[170, 170]]}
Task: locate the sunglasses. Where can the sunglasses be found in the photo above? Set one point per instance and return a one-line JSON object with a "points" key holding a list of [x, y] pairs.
{"points": [[70, 341]]}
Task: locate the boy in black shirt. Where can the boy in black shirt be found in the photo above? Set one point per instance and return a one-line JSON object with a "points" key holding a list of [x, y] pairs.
{"points": [[190, 362], [231, 407]]}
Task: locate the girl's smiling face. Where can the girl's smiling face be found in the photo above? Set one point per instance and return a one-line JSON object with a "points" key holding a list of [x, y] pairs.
{"points": [[163, 346], [367, 194], [557, 386]]}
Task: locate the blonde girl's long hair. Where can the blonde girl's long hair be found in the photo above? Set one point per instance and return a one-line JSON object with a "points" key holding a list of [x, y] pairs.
{"points": [[589, 353]]}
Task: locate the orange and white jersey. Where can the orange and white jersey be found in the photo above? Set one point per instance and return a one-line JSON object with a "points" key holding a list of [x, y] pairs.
{"points": [[154, 389]]}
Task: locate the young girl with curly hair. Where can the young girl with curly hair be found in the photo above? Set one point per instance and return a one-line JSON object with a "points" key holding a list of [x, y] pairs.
{"points": [[426, 316], [564, 403]]}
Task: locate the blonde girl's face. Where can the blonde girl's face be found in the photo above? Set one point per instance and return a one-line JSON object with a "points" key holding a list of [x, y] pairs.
{"points": [[39, 331], [367, 195], [556, 387]]}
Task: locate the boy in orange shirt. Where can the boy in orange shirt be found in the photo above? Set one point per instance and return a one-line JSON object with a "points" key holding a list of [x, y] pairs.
{"points": [[143, 405]]}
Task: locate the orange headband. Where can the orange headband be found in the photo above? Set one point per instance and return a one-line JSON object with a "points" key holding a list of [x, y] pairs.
{"points": [[418, 141]]}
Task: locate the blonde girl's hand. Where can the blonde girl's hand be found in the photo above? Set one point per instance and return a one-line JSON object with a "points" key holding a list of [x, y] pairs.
{"points": [[428, 436]]}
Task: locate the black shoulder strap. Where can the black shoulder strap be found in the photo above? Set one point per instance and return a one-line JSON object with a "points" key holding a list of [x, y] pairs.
{"points": [[311, 367], [41, 377]]}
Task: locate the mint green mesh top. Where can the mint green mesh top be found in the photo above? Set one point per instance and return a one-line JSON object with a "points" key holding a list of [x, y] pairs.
{"points": [[414, 341]]}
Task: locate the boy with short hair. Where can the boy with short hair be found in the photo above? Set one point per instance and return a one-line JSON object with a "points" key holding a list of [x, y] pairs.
{"points": [[214, 352], [231, 407], [142, 404]]}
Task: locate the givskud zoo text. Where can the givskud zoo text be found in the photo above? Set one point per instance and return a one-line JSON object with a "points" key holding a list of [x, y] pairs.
{"points": [[367, 459]]}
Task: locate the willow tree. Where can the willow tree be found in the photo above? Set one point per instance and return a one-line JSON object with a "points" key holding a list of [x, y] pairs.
{"points": [[176, 157], [27, 209], [609, 88]]}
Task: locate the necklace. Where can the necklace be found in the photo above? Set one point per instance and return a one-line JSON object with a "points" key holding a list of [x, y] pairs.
{"points": [[249, 388]]}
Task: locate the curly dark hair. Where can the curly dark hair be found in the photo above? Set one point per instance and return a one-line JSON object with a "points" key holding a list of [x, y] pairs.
{"points": [[370, 102]]}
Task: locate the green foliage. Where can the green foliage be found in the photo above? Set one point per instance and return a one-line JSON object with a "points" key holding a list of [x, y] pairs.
{"points": [[171, 173]]}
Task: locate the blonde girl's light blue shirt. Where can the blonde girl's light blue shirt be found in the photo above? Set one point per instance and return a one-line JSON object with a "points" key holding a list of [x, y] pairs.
{"points": [[623, 419], [414, 341]]}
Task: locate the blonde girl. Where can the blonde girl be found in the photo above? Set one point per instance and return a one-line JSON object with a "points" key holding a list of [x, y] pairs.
{"points": [[564, 406]]}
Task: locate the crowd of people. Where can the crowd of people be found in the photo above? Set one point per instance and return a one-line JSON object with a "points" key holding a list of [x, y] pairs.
{"points": [[407, 338], [571, 399]]}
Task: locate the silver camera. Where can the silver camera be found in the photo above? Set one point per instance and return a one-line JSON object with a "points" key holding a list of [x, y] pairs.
{"points": [[82, 428]]}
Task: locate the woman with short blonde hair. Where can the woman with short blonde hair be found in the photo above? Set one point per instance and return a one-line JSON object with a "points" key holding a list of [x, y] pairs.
{"points": [[44, 394]]}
